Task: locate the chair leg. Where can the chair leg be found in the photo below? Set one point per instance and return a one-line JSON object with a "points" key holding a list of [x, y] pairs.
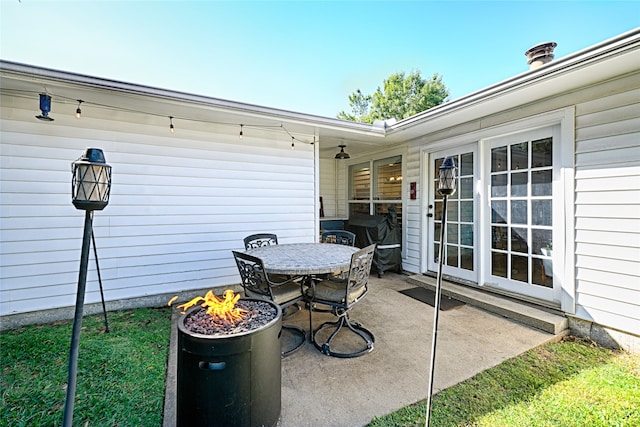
{"points": [[290, 311], [354, 327], [296, 332]]}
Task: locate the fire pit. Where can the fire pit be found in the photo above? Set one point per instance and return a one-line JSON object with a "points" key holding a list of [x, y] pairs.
{"points": [[229, 362]]}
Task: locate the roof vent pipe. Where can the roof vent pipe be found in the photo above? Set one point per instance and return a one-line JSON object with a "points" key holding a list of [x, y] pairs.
{"points": [[540, 54]]}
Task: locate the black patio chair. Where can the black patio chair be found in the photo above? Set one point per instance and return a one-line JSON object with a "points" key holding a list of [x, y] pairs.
{"points": [[340, 237], [258, 240], [267, 239], [256, 284], [341, 296]]}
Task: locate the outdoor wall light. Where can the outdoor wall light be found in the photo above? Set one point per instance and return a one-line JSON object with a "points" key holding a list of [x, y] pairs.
{"points": [[446, 187], [342, 155], [45, 107], [90, 188]]}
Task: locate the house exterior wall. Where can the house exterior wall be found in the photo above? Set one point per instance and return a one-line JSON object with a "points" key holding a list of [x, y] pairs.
{"points": [[603, 251], [180, 203], [607, 200]]}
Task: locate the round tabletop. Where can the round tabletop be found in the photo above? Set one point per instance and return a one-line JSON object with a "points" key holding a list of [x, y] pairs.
{"points": [[304, 258]]}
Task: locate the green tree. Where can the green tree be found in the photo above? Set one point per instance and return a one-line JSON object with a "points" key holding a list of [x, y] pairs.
{"points": [[402, 97]]}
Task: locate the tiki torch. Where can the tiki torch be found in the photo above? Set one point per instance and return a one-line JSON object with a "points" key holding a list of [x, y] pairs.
{"points": [[446, 187], [90, 187]]}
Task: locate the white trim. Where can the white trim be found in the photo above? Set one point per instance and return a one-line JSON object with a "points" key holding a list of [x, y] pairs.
{"points": [[568, 182]]}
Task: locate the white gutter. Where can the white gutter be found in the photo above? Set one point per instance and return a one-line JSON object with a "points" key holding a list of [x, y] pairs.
{"points": [[28, 72]]}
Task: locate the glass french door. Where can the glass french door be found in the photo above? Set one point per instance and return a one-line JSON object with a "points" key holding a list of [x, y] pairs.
{"points": [[460, 249], [520, 181]]}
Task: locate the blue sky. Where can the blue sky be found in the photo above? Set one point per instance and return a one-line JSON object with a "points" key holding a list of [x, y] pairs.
{"points": [[304, 56]]}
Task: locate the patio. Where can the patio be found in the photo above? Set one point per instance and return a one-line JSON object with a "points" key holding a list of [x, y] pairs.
{"points": [[321, 390]]}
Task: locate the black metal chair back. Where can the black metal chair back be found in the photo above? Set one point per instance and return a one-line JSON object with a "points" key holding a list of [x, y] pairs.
{"points": [[254, 279], [259, 240], [256, 284], [340, 237]]}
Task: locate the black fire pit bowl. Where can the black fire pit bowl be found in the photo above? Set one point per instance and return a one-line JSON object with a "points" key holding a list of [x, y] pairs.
{"points": [[229, 380]]}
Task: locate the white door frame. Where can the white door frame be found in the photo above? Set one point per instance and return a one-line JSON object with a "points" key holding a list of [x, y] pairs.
{"points": [[564, 249]]}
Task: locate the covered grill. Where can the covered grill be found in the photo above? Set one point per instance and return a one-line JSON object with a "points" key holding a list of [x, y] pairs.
{"points": [[383, 230]]}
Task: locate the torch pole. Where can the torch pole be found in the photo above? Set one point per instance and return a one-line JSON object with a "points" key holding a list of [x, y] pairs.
{"points": [[436, 308], [77, 321]]}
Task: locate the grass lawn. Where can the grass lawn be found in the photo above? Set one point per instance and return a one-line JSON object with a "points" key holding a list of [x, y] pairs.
{"points": [[121, 378], [570, 383], [121, 374]]}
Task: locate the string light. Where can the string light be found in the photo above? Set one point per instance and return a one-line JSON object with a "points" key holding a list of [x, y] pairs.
{"points": [[45, 106], [78, 110]]}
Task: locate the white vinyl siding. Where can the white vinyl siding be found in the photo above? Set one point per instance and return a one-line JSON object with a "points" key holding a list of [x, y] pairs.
{"points": [[607, 201], [179, 204], [328, 190], [413, 212]]}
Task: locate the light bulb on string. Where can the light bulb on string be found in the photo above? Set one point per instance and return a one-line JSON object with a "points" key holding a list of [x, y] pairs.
{"points": [[293, 145], [78, 110], [241, 131], [171, 128]]}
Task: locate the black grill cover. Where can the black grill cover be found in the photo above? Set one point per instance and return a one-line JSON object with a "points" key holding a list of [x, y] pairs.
{"points": [[383, 230]]}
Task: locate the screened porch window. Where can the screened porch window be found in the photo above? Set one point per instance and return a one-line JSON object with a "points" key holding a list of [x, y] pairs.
{"points": [[375, 186]]}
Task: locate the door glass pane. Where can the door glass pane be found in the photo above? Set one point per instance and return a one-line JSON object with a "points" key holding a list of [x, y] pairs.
{"points": [[452, 233], [499, 159], [519, 156], [541, 212], [541, 182], [540, 239], [466, 164], [542, 153], [452, 211], [499, 185], [466, 234], [519, 184], [499, 211], [519, 240], [466, 211], [466, 188], [499, 264], [499, 237], [452, 255], [520, 268], [519, 211], [466, 258]]}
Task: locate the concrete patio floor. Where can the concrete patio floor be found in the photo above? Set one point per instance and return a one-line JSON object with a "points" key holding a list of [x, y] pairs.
{"points": [[318, 390]]}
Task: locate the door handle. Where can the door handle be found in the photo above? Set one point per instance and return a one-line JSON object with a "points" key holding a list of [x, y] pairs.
{"points": [[429, 215]]}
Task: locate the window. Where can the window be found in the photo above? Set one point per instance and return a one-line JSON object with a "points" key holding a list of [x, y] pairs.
{"points": [[376, 186]]}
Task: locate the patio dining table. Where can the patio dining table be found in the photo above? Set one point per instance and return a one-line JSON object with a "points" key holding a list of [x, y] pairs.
{"points": [[304, 259]]}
